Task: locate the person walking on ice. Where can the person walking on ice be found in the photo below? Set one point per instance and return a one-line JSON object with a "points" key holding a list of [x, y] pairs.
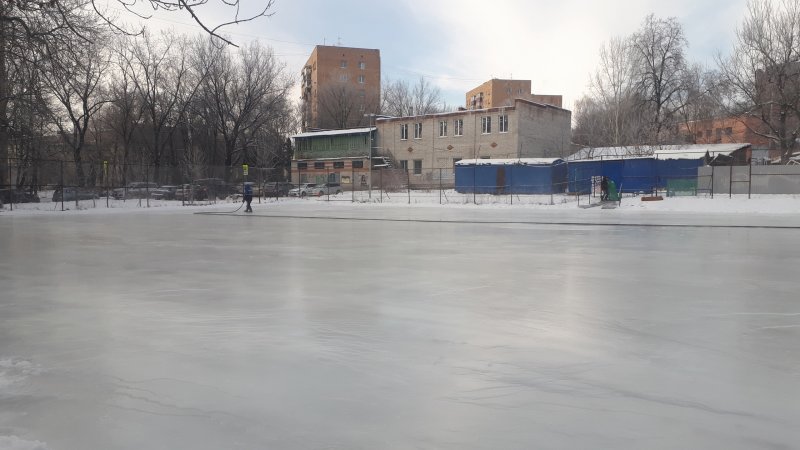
{"points": [[248, 195]]}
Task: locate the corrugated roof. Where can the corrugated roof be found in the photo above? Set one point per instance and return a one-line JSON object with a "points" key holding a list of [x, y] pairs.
{"points": [[686, 151], [334, 132], [508, 162]]}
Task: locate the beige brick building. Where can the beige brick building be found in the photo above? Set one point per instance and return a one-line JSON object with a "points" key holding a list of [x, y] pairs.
{"points": [[524, 130], [339, 85], [497, 93]]}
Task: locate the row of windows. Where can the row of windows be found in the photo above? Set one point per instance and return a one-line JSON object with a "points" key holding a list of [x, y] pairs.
{"points": [[728, 132], [361, 64], [458, 127], [418, 164], [336, 165], [361, 78]]}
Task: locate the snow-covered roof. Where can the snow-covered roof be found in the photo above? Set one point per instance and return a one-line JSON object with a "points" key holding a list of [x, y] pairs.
{"points": [[334, 132], [685, 151], [508, 162]]}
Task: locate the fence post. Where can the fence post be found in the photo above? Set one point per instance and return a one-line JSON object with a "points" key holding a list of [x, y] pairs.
{"points": [[730, 182], [408, 185], [749, 180], [327, 181], [381, 186], [61, 169], [11, 185], [440, 185], [712, 180], [511, 183], [474, 181], [147, 186], [352, 183]]}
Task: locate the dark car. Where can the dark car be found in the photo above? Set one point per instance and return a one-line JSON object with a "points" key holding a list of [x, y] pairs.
{"points": [[190, 192], [135, 189], [17, 196], [277, 189], [216, 187], [164, 193], [70, 194]]}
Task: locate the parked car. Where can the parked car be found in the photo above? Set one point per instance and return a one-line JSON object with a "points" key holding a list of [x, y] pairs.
{"points": [[189, 192], [326, 189], [216, 187], [70, 194], [17, 196], [135, 189], [276, 189], [164, 193], [303, 190]]}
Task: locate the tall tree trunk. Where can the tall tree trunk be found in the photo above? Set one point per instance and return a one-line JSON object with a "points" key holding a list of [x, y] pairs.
{"points": [[4, 95]]}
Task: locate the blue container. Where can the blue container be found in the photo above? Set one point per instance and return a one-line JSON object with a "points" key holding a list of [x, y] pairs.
{"points": [[502, 176]]}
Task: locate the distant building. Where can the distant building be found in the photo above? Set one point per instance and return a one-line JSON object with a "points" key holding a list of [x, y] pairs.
{"points": [[497, 93], [339, 86], [334, 156], [730, 130], [434, 141]]}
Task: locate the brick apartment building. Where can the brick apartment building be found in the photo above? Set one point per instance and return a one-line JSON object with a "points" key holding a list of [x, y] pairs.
{"points": [[524, 130], [497, 93], [730, 130], [339, 85]]}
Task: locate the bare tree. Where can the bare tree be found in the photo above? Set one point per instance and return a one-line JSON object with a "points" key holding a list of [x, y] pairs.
{"points": [[613, 86], [159, 69], [244, 93], [659, 47], [144, 9], [74, 77], [400, 99], [762, 75]]}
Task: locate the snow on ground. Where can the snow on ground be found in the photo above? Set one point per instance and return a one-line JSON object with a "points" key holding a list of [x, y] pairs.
{"points": [[769, 204]]}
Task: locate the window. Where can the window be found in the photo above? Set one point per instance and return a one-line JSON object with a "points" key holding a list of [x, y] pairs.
{"points": [[302, 165], [338, 164], [404, 131], [358, 164], [417, 167], [719, 133], [729, 131], [362, 65], [319, 164], [443, 128], [304, 178], [343, 77], [418, 130], [343, 64], [708, 134], [361, 79], [361, 108], [503, 122], [458, 127], [404, 164], [486, 125]]}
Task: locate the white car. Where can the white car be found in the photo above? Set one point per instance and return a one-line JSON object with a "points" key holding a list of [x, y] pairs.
{"points": [[303, 190]]}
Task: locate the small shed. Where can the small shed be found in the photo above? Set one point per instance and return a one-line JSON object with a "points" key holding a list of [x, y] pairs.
{"points": [[511, 176]]}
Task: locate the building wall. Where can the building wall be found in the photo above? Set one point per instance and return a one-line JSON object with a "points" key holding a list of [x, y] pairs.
{"points": [[729, 130], [324, 72], [497, 93], [544, 131], [332, 146], [533, 131]]}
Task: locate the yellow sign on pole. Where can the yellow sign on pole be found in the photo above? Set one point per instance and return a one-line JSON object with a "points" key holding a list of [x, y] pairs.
{"points": [[244, 169]]}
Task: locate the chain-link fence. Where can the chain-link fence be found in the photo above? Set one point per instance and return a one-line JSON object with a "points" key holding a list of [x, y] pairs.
{"points": [[61, 185]]}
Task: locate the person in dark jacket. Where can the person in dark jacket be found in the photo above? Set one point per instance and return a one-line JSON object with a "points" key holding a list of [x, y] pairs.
{"points": [[604, 189], [248, 196]]}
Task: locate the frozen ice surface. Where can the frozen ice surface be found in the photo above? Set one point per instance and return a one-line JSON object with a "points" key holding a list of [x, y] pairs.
{"points": [[167, 330]]}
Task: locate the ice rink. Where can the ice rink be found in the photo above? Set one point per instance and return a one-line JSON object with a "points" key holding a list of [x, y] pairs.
{"points": [[311, 326]]}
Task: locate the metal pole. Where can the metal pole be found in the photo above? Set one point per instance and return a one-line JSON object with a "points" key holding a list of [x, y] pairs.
{"points": [[474, 174], [730, 182], [712, 181], [327, 181], [381, 190], [440, 185], [511, 183], [62, 183], [11, 184], [750, 180], [408, 185], [353, 182]]}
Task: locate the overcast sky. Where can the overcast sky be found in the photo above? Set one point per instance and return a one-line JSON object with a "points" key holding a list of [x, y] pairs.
{"points": [[459, 44]]}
